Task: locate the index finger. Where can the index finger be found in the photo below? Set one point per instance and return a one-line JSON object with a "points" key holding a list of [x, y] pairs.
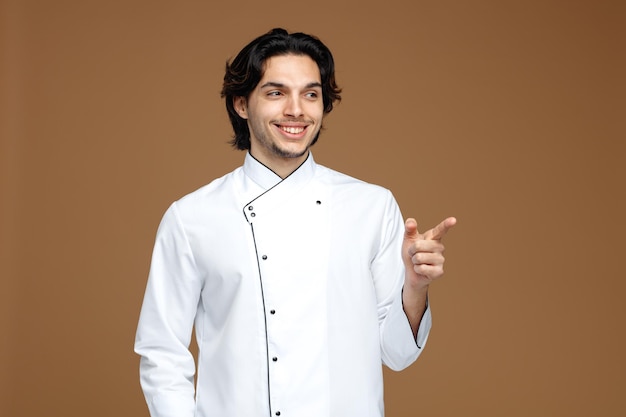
{"points": [[439, 231]]}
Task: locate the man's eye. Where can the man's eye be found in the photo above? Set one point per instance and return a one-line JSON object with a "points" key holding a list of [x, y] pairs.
{"points": [[273, 93], [312, 94]]}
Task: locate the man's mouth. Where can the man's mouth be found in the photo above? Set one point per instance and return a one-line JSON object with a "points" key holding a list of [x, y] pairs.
{"points": [[292, 129]]}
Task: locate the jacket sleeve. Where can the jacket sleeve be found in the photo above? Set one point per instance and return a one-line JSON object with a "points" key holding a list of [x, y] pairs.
{"points": [[166, 320], [399, 348]]}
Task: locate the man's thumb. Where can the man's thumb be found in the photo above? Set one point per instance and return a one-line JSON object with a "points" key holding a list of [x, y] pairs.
{"points": [[410, 229]]}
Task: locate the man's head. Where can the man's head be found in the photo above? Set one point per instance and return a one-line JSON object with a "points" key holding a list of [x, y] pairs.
{"points": [[245, 72]]}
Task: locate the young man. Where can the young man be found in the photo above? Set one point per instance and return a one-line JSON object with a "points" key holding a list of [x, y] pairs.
{"points": [[300, 281]]}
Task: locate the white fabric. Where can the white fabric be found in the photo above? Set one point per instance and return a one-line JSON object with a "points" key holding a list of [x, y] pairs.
{"points": [[295, 288]]}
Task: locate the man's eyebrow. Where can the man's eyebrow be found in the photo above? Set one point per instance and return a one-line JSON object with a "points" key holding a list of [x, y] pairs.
{"points": [[314, 84], [273, 84]]}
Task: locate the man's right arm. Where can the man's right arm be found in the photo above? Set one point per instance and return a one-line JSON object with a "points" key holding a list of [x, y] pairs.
{"points": [[168, 312]]}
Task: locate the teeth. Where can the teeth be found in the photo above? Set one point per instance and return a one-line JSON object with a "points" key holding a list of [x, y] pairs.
{"points": [[293, 130]]}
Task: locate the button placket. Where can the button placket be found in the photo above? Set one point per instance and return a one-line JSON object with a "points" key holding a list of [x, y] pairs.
{"points": [[275, 371], [275, 258]]}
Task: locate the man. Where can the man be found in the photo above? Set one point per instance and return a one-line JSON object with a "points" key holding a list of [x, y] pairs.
{"points": [[300, 281]]}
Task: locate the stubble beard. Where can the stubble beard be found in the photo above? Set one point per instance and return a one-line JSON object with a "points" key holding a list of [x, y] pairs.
{"points": [[283, 153]]}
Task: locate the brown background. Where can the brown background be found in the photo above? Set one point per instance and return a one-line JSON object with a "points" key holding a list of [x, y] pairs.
{"points": [[507, 114]]}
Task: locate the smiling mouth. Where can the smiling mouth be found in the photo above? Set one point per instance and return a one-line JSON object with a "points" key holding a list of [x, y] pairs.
{"points": [[291, 129]]}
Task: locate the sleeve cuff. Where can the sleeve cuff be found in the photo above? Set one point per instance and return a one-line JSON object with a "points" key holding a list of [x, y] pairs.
{"points": [[400, 349]]}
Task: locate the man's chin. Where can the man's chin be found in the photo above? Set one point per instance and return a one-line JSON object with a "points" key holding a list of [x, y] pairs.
{"points": [[291, 153]]}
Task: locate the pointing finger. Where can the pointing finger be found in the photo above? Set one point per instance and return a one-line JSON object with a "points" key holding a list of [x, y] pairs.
{"points": [[439, 231]]}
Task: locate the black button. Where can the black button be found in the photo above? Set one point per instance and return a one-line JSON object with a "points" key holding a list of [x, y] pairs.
{"points": [[264, 257], [252, 214], [275, 359], [250, 208], [278, 413], [318, 202], [272, 311]]}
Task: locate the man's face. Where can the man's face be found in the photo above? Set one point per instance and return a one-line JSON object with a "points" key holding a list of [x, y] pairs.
{"points": [[284, 112]]}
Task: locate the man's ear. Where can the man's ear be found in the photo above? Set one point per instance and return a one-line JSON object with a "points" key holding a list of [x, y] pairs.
{"points": [[241, 107]]}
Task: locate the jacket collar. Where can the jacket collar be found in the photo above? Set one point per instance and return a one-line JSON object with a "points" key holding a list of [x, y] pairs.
{"points": [[270, 191], [267, 179]]}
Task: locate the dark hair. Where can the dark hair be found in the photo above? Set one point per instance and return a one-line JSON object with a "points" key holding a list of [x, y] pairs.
{"points": [[246, 70]]}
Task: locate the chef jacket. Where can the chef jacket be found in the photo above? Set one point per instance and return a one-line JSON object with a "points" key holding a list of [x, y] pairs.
{"points": [[294, 287]]}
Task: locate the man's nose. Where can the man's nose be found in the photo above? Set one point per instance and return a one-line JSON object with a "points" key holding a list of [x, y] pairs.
{"points": [[293, 107]]}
